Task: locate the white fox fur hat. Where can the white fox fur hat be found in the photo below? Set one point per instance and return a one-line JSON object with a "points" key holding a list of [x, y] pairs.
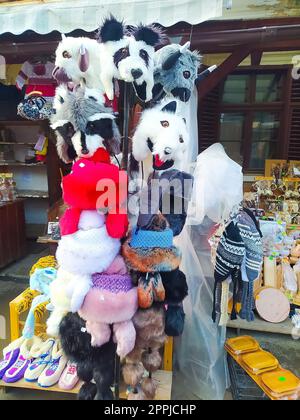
{"points": [[78, 60], [128, 56], [162, 133]]}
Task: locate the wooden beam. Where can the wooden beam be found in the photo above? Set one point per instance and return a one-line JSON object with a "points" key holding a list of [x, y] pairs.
{"points": [[223, 70], [256, 58]]}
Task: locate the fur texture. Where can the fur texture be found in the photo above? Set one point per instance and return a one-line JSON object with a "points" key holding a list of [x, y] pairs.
{"points": [[163, 134], [176, 289], [93, 363], [176, 69], [150, 338], [109, 302], [128, 58], [80, 193], [111, 30], [133, 373], [174, 320], [84, 123], [78, 60], [149, 387], [87, 251], [151, 259], [151, 360]]}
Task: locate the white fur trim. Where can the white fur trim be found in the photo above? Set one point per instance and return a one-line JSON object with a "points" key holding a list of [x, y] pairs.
{"points": [[87, 252]]}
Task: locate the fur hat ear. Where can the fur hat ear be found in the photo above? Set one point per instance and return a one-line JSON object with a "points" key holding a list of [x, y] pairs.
{"points": [[151, 35], [111, 30], [171, 60], [170, 107]]}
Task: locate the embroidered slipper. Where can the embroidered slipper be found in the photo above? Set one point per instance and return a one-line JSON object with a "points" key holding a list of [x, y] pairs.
{"points": [[54, 370], [18, 369], [69, 378], [43, 356], [9, 359], [10, 355]]}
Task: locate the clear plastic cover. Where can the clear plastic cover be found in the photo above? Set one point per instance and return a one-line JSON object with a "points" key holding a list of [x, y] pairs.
{"points": [[200, 368]]}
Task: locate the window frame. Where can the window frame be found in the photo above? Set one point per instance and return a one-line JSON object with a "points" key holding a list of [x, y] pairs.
{"points": [[251, 107]]}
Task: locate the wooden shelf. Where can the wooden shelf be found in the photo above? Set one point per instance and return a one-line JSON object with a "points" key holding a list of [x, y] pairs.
{"points": [[46, 240], [164, 379], [30, 165], [259, 325], [32, 194], [34, 386], [16, 143], [19, 122]]}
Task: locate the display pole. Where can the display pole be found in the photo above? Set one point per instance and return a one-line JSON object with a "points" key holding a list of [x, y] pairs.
{"points": [[124, 166], [127, 88]]}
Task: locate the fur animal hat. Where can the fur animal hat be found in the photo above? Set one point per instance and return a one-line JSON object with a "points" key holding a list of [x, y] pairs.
{"points": [[78, 60], [176, 69], [128, 55], [80, 193], [162, 133], [83, 124]]}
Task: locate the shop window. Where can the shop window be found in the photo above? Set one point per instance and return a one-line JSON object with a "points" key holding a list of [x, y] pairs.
{"points": [[232, 134], [265, 130], [268, 87], [236, 89], [250, 115]]}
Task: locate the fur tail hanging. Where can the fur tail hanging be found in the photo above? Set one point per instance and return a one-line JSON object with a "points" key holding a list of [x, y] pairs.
{"points": [[150, 328]]}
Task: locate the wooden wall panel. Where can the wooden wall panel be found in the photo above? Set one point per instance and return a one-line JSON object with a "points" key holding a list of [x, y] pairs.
{"points": [[12, 232]]}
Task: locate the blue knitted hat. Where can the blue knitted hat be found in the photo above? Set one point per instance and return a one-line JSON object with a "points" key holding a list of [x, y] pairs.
{"points": [[151, 239]]}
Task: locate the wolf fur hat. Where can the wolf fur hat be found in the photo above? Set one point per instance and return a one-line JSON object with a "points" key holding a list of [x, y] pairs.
{"points": [[162, 133], [176, 70], [78, 60], [83, 124], [128, 55], [95, 365]]}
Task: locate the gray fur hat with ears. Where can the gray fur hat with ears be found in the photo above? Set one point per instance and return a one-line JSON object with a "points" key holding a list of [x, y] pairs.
{"points": [[176, 69], [82, 110]]}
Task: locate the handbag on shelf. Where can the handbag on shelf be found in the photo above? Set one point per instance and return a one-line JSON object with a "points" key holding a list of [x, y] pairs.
{"points": [[35, 107]]}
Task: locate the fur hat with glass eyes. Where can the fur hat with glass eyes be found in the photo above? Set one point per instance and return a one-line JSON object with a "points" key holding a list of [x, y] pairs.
{"points": [[83, 124], [77, 60], [176, 70], [128, 55], [162, 133]]}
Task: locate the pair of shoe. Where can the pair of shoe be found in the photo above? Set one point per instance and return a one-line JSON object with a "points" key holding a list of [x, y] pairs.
{"points": [[37, 360], [48, 364], [17, 358]]}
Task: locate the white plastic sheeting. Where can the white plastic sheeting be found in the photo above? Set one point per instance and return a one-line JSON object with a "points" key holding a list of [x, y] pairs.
{"points": [[200, 368], [67, 15], [218, 186]]}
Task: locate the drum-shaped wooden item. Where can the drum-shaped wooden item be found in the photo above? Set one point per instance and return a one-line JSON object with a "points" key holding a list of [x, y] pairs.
{"points": [[272, 305]]}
